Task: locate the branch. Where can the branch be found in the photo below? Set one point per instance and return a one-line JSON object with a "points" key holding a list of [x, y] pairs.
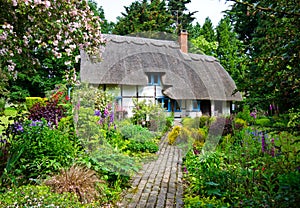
{"points": [[266, 9]]}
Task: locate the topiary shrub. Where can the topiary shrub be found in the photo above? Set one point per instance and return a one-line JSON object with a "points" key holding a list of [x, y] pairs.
{"points": [[37, 196]]}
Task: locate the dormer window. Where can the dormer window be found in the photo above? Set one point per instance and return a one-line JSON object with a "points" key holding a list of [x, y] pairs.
{"points": [[154, 79]]}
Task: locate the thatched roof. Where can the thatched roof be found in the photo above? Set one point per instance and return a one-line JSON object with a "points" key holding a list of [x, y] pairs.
{"points": [[126, 61]]}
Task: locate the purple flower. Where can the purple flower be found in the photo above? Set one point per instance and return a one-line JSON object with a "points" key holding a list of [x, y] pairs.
{"points": [[18, 127], [253, 114], [97, 113], [106, 112], [271, 107], [35, 123], [263, 143], [185, 170], [111, 117]]}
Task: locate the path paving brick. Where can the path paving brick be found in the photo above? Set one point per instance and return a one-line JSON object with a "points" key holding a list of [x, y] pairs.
{"points": [[159, 182]]}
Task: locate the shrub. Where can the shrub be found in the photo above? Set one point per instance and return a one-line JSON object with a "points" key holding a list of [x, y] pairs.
{"points": [[135, 131], [78, 180], [39, 150], [263, 122], [239, 123], [199, 135], [144, 146], [2, 105], [37, 196], [31, 101], [52, 112], [245, 114], [197, 122], [172, 136]]}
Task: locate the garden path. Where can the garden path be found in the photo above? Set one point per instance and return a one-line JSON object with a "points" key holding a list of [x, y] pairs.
{"points": [[159, 182]]}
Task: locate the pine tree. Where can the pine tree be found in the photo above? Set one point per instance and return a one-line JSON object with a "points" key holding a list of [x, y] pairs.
{"points": [[180, 14], [144, 16]]}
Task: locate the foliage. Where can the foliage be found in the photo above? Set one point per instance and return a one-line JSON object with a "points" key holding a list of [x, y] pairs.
{"points": [[31, 101], [148, 114], [142, 146], [294, 121], [131, 131], [272, 51], [2, 105], [144, 16], [78, 180], [239, 124], [249, 168], [245, 114], [172, 136], [197, 122], [34, 196], [228, 51], [263, 122], [38, 50], [52, 112], [37, 150], [181, 16]]}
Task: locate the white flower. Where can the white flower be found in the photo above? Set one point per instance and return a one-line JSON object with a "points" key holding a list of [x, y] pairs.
{"points": [[77, 58], [68, 63]]}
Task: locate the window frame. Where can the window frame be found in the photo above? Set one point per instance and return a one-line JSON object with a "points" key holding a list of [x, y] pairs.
{"points": [[151, 79], [198, 105]]}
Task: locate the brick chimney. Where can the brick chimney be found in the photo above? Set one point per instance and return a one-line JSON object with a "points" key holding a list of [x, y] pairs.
{"points": [[183, 41]]}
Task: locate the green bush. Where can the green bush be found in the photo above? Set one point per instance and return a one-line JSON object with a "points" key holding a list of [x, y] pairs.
{"points": [[37, 196], [2, 105], [239, 123], [198, 122], [145, 146], [172, 136], [38, 150], [263, 122], [135, 131], [31, 101], [245, 114]]}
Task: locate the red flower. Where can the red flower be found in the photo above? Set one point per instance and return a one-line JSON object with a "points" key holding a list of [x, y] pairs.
{"points": [[263, 169], [67, 97]]}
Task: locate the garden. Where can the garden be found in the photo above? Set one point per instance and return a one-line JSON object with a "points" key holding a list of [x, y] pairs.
{"points": [[64, 152], [255, 162]]}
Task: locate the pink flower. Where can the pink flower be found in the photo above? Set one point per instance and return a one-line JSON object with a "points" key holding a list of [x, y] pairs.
{"points": [[47, 4], [15, 3]]}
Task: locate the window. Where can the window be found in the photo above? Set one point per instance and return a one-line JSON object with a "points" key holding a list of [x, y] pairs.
{"points": [[154, 79], [196, 105], [165, 103], [177, 106]]}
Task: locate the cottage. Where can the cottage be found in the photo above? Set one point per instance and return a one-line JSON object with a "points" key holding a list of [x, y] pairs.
{"points": [[161, 72]]}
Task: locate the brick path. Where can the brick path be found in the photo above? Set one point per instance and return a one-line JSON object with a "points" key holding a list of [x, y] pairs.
{"points": [[159, 182]]}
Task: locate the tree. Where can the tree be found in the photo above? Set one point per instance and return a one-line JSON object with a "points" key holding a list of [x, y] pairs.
{"points": [[270, 30], [144, 16], [41, 39], [106, 26], [208, 30], [228, 51], [181, 16]]}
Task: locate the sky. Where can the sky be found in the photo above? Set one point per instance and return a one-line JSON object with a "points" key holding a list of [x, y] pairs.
{"points": [[206, 8]]}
